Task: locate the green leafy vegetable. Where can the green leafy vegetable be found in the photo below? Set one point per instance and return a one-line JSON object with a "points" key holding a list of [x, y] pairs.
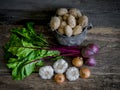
{"points": [[26, 50]]}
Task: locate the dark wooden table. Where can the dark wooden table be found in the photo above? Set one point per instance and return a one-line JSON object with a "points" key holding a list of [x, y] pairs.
{"points": [[105, 16]]}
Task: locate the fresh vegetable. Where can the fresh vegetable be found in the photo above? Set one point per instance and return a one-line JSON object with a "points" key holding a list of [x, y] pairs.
{"points": [[90, 61], [59, 78], [72, 73], [68, 22], [93, 47], [46, 72], [60, 66], [77, 61], [90, 50], [26, 50], [85, 72]]}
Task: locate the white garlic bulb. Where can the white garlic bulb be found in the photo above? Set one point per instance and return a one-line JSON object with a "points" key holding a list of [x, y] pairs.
{"points": [[54, 23], [46, 72], [75, 12], [77, 30], [83, 21], [60, 66], [68, 31], [72, 74], [62, 11], [71, 21]]}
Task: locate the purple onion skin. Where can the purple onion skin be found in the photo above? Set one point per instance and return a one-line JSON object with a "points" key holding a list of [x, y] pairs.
{"points": [[93, 47], [86, 52], [90, 50], [90, 61]]}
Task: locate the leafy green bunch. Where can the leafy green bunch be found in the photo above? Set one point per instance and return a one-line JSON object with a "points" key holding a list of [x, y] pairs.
{"points": [[25, 51]]}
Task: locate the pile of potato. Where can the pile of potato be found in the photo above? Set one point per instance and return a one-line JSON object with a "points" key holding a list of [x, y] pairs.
{"points": [[68, 22]]}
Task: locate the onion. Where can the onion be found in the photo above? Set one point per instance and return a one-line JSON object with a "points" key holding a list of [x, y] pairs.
{"points": [[90, 50], [93, 47], [90, 61], [86, 52]]}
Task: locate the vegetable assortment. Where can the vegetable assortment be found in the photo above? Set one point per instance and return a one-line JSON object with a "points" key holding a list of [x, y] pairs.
{"points": [[69, 22], [27, 50]]}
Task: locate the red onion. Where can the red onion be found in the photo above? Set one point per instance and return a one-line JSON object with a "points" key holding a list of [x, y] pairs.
{"points": [[93, 47], [86, 52], [90, 50], [90, 61]]}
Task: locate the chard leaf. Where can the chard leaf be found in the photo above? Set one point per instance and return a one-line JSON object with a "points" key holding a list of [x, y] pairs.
{"points": [[25, 50]]}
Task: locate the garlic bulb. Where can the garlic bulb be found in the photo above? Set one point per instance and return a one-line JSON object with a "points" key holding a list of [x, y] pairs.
{"points": [[71, 21], [62, 11], [83, 21], [75, 12], [68, 31], [60, 66], [54, 23], [77, 30], [46, 72], [72, 74]]}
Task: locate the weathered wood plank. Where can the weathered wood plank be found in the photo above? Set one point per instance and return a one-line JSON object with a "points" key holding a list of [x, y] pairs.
{"points": [[95, 82]]}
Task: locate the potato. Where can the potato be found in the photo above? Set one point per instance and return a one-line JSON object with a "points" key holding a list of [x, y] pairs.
{"points": [[54, 23], [65, 17], [77, 30], [60, 17], [61, 31], [83, 21], [72, 21], [63, 24], [75, 12], [62, 11], [68, 31]]}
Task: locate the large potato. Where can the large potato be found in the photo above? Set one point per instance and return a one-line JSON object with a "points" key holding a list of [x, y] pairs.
{"points": [[62, 11], [72, 21], [77, 30], [54, 23], [75, 12], [68, 31], [83, 21]]}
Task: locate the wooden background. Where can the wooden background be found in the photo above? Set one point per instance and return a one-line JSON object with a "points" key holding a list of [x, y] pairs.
{"points": [[105, 17]]}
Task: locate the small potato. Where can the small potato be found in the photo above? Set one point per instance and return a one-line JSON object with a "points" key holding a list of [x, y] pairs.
{"points": [[77, 30], [54, 23], [61, 31], [65, 17], [62, 11], [83, 21], [68, 31], [63, 24], [72, 21], [75, 12]]}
